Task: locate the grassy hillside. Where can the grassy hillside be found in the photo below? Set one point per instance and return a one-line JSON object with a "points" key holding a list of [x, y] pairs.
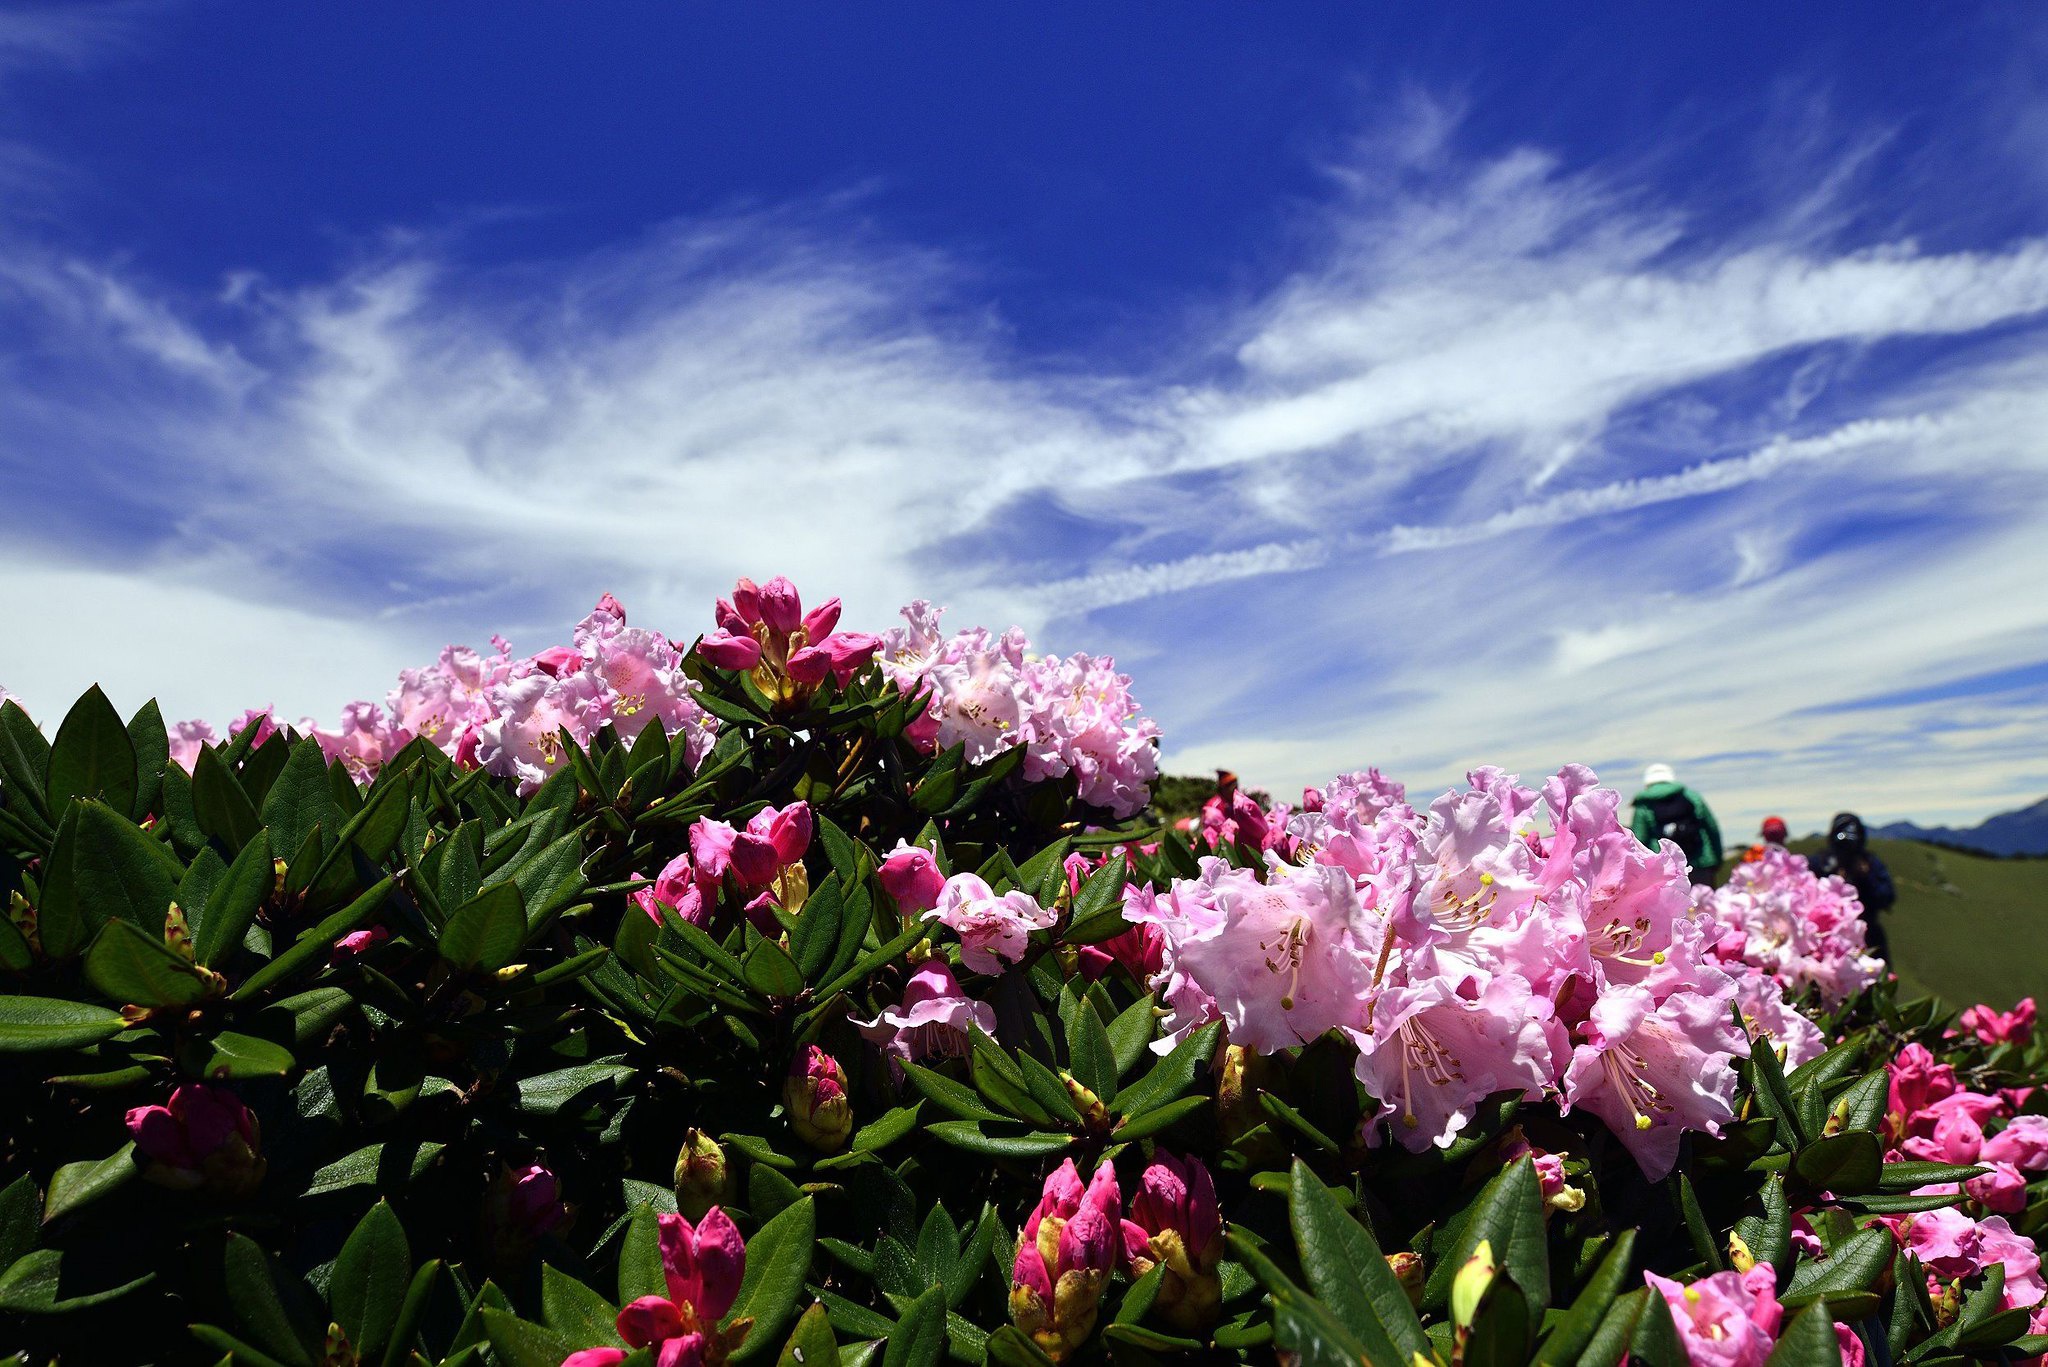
{"points": [[1967, 928]]}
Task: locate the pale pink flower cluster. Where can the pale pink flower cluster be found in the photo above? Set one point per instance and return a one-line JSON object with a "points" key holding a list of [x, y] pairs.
{"points": [[506, 713], [1074, 715], [1774, 914], [1503, 940]]}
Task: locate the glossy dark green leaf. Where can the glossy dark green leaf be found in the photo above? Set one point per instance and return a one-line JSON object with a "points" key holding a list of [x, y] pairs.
{"points": [[1574, 1330], [778, 1261], [77, 1185], [24, 758], [134, 968], [371, 1275], [1854, 1267], [1347, 1270], [232, 904], [32, 1024], [1808, 1341], [576, 1312], [315, 945], [92, 757], [299, 799], [232, 1055], [1844, 1164], [486, 933], [102, 866], [1090, 1056], [222, 809], [151, 743], [967, 1134], [771, 972]]}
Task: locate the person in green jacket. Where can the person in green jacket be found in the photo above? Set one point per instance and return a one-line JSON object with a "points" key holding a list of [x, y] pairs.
{"points": [[1668, 810]]}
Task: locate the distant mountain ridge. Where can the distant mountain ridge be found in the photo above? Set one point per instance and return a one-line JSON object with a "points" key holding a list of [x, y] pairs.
{"points": [[2018, 832]]}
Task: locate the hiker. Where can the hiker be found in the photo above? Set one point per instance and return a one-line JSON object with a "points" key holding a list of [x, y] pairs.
{"points": [[1770, 837], [1848, 857], [1668, 810]]}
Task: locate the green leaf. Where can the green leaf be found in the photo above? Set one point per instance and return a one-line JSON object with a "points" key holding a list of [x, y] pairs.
{"points": [[941, 782], [32, 1024], [219, 805], [1090, 1056], [1809, 1341], [811, 1343], [1173, 1074], [1854, 1267], [966, 1134], [771, 972], [24, 758], [950, 1096], [77, 1185], [1301, 1322], [885, 1129], [778, 1260], [1617, 1329], [551, 878], [412, 1312], [132, 967], [1845, 1164], [370, 1278], [1695, 1222], [1010, 1347], [388, 1166], [549, 1093], [1131, 1032], [232, 904], [1103, 891], [300, 799], [1509, 1215], [1656, 1342], [1153, 1121], [1574, 1330], [487, 932], [102, 866], [230, 1054], [152, 756], [1907, 1176], [1347, 1270], [919, 1339], [315, 944], [21, 1212], [640, 1266], [1767, 1077], [577, 1313], [92, 757], [519, 1344], [257, 1302]]}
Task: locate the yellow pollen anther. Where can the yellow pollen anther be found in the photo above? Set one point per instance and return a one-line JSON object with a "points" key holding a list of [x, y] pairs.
{"points": [[1642, 1122]]}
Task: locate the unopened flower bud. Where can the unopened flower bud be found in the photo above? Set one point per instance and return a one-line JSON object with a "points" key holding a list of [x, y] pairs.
{"points": [[1471, 1284], [1065, 1254], [1407, 1270], [702, 1179], [523, 1204], [1175, 1223], [1739, 1256], [815, 1096], [1094, 1115], [203, 1138]]}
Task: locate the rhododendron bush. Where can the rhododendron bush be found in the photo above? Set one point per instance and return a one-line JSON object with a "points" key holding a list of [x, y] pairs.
{"points": [[788, 993]]}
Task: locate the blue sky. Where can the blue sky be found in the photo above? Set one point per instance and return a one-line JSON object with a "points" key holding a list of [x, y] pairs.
{"points": [[1423, 388]]}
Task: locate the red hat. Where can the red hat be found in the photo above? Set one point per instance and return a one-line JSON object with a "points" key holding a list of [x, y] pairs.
{"points": [[1774, 828]]}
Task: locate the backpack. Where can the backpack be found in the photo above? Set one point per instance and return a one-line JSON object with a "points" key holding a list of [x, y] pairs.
{"points": [[1679, 822]]}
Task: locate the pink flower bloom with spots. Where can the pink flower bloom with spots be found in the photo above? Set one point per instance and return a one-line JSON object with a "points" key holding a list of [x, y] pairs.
{"points": [[524, 739], [1653, 1070], [1430, 1051], [363, 742], [993, 930], [1282, 961], [932, 1019], [1730, 1319]]}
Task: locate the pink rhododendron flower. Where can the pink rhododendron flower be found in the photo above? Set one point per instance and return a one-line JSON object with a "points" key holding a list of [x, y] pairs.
{"points": [[932, 1020], [1652, 1070], [992, 930], [675, 887], [205, 1137], [1065, 1254], [2022, 1143], [1431, 1050], [531, 717], [187, 739], [911, 877], [1282, 961], [703, 1265], [1804, 931], [363, 742], [258, 717], [1995, 1027], [792, 652], [1730, 1319]]}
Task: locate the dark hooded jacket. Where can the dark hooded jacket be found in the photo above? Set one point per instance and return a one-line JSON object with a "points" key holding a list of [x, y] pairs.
{"points": [[1848, 857]]}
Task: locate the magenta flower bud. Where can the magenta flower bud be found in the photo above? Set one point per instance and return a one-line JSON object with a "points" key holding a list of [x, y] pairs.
{"points": [[595, 1357], [650, 1319], [781, 609], [611, 607], [359, 942], [911, 877], [808, 666], [703, 1263], [522, 1205], [205, 1137], [746, 602], [728, 618], [1069, 1246], [1175, 1221], [849, 652], [727, 650], [820, 620], [815, 1096], [788, 831]]}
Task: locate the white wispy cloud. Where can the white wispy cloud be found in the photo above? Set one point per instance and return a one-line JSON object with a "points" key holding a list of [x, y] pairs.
{"points": [[1525, 463]]}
